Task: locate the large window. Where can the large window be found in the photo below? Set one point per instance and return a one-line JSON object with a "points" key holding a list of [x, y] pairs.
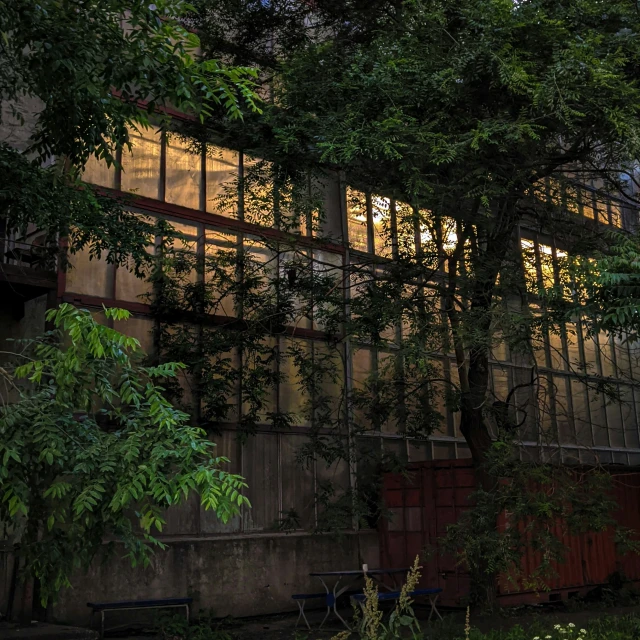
{"points": [[166, 167]]}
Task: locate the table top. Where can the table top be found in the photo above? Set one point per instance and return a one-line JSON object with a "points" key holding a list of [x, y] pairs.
{"points": [[359, 572]]}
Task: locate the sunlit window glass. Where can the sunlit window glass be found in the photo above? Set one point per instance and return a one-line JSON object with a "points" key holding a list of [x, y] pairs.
{"points": [[141, 165], [357, 219], [184, 173]]}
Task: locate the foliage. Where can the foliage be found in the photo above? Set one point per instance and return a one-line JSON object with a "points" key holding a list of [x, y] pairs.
{"points": [[529, 503], [92, 450], [33, 197], [176, 627], [91, 65], [402, 620], [481, 120], [74, 79]]}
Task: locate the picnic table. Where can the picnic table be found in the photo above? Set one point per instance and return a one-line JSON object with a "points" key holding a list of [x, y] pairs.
{"points": [[353, 575]]}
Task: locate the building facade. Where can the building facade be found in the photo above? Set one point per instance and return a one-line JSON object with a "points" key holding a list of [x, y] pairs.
{"points": [[254, 563]]}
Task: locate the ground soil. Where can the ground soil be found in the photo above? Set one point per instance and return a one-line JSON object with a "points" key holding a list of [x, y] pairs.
{"points": [[283, 627]]}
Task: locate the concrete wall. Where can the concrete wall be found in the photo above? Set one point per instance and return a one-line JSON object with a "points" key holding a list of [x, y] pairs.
{"points": [[237, 577]]}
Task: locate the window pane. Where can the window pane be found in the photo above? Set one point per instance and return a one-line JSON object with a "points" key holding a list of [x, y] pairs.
{"points": [[141, 166], [587, 204], [357, 219], [629, 417], [614, 421], [566, 432], [381, 213], [93, 277], [137, 327], [581, 414], [97, 172], [293, 398], [606, 357], [222, 186], [406, 224], [616, 214], [184, 174], [220, 271], [131, 288]]}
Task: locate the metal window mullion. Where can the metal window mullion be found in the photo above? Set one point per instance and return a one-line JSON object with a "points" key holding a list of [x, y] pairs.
{"points": [[163, 166]]}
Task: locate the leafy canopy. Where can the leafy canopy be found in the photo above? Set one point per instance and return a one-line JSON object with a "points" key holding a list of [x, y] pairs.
{"points": [[91, 450], [95, 67]]}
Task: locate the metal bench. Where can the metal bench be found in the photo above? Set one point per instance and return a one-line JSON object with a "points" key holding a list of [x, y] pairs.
{"points": [[162, 603], [394, 595]]}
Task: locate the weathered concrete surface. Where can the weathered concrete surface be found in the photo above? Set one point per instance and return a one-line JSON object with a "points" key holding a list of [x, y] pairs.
{"points": [[238, 577], [41, 631]]}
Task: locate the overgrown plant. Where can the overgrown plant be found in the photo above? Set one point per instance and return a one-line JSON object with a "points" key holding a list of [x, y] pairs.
{"points": [[402, 622], [91, 451]]}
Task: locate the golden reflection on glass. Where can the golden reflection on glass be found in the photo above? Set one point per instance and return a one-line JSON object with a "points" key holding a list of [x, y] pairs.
{"points": [[571, 199], [587, 204], [97, 172], [357, 219], [529, 262], [141, 166], [381, 214], [183, 175], [546, 266], [221, 168], [616, 214], [406, 223]]}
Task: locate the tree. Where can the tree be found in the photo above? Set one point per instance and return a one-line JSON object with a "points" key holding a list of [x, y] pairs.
{"points": [[77, 76], [92, 451], [479, 118]]}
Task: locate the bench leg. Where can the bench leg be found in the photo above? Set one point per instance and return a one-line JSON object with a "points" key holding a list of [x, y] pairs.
{"points": [[434, 609], [186, 606], [102, 624]]}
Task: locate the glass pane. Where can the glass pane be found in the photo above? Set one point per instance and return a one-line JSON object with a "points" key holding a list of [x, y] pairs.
{"points": [[220, 271], [362, 364], [566, 432], [606, 357], [581, 414], [406, 223], [598, 419], [546, 266], [328, 266], [558, 360], [631, 438], [97, 172], [357, 219], [137, 327], [222, 185], [141, 166], [614, 421], [616, 214], [93, 277], [293, 398], [381, 214], [131, 288], [184, 174], [622, 357], [587, 204]]}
